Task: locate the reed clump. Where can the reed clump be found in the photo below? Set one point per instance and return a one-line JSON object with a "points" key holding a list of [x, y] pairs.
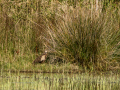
{"points": [[86, 36]]}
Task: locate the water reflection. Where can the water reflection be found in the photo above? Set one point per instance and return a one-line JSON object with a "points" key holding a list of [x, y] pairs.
{"points": [[49, 81]]}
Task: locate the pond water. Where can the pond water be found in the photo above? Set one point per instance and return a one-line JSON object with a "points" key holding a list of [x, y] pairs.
{"points": [[54, 81]]}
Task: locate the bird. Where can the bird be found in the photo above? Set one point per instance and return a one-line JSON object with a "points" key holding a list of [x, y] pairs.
{"points": [[41, 58]]}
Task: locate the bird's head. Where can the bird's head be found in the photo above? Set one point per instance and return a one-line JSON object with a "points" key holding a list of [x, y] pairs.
{"points": [[46, 51]]}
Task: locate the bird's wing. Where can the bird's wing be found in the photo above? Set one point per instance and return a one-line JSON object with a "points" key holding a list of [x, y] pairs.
{"points": [[43, 58]]}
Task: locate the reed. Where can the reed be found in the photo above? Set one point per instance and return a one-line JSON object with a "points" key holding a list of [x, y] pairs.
{"points": [[59, 81], [83, 32], [86, 36]]}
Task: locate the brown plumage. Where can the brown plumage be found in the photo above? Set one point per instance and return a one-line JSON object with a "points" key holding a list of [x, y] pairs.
{"points": [[41, 58]]}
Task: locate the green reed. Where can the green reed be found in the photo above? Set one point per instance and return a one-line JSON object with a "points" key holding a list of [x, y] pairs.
{"points": [[59, 81]]}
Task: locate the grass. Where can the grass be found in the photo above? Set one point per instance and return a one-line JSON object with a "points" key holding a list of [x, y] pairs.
{"points": [[59, 81], [85, 35]]}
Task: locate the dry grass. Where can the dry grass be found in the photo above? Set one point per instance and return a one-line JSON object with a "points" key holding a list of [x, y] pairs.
{"points": [[86, 33]]}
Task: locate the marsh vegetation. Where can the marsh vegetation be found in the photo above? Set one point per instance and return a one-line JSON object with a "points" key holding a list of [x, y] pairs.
{"points": [[82, 37], [40, 81], [82, 34]]}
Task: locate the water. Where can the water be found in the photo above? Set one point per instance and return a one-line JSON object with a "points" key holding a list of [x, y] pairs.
{"points": [[54, 81]]}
